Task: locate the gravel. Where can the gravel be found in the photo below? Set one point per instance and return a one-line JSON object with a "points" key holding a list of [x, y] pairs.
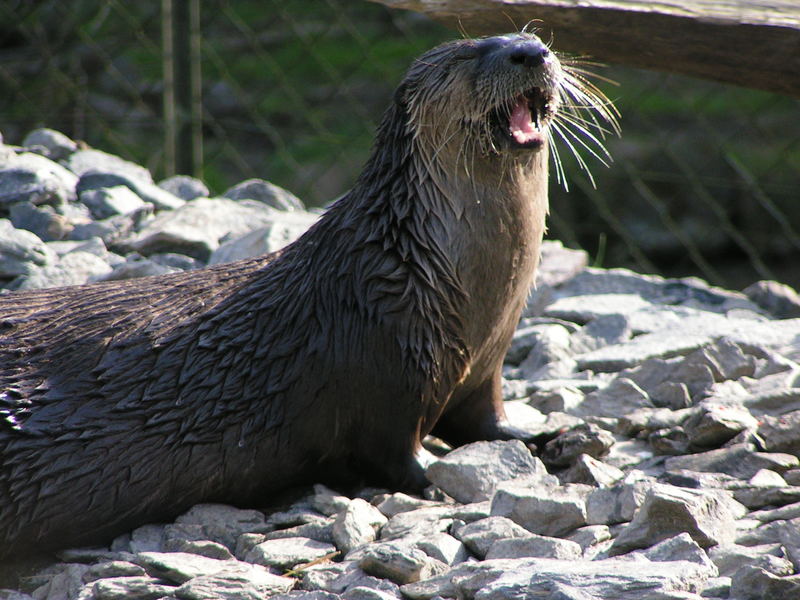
{"points": [[666, 411]]}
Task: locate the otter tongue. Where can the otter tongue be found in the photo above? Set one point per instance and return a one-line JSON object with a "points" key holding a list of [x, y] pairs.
{"points": [[520, 124]]}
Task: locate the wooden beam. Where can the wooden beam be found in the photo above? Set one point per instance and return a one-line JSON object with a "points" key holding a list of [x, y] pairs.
{"points": [[751, 43]]}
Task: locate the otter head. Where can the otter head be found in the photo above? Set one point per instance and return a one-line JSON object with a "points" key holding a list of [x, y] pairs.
{"points": [[482, 106], [495, 96]]}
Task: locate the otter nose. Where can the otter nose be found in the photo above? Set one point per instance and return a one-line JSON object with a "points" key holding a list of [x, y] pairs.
{"points": [[530, 53]]}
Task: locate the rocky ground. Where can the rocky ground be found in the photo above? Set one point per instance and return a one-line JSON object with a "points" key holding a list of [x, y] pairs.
{"points": [[668, 412]]}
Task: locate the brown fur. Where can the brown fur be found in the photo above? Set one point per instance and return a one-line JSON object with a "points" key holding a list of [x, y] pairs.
{"points": [[127, 402]]}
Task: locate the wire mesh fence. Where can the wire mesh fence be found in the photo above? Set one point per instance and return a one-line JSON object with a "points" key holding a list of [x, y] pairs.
{"points": [[706, 178]]}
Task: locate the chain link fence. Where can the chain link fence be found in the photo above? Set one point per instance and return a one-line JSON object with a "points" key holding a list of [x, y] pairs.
{"points": [[706, 178]]}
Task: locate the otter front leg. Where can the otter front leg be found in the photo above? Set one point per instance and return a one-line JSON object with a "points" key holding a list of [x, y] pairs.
{"points": [[479, 415], [414, 479], [390, 452]]}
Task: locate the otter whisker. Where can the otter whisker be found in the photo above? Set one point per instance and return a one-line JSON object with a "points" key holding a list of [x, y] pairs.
{"points": [[475, 146], [584, 110], [447, 138], [475, 193], [463, 31], [584, 117], [561, 176], [528, 24], [581, 162], [488, 136], [588, 114], [462, 152], [582, 80], [472, 151], [586, 75], [513, 24], [585, 127], [568, 122], [585, 95], [575, 116]]}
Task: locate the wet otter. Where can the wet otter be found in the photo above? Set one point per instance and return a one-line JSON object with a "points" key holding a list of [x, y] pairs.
{"points": [[126, 402]]}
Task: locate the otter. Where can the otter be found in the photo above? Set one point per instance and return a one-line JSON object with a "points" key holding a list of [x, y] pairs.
{"points": [[127, 402]]}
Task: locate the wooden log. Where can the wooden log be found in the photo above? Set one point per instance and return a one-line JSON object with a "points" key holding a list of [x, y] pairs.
{"points": [[751, 43]]}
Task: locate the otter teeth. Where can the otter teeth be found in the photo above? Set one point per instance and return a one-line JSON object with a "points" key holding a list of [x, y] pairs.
{"points": [[521, 126]]}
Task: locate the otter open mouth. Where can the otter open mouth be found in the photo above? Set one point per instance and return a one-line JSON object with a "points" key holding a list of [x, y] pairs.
{"points": [[522, 128]]}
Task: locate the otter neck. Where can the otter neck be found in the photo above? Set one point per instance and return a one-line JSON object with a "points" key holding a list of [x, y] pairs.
{"points": [[470, 236], [405, 175], [495, 241]]}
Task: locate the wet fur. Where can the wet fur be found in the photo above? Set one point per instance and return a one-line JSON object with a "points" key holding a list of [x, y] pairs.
{"points": [[127, 402]]}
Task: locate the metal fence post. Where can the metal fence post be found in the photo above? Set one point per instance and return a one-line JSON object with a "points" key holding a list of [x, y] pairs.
{"points": [[180, 32]]}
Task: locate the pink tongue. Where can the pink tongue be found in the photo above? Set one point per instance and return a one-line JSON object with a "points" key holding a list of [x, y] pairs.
{"points": [[520, 124]]}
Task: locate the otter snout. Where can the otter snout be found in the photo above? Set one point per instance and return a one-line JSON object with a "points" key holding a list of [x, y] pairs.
{"points": [[530, 53]]}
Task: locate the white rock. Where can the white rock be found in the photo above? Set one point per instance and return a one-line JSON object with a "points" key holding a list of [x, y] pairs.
{"points": [[668, 510], [414, 524], [444, 547], [197, 228], [73, 268], [535, 546], [57, 144], [21, 251], [126, 588], [471, 473], [222, 523], [327, 501], [286, 553], [107, 202], [551, 511], [480, 535], [285, 228], [266, 192], [84, 161], [400, 563], [236, 582], [533, 577], [356, 525], [400, 502], [179, 567]]}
